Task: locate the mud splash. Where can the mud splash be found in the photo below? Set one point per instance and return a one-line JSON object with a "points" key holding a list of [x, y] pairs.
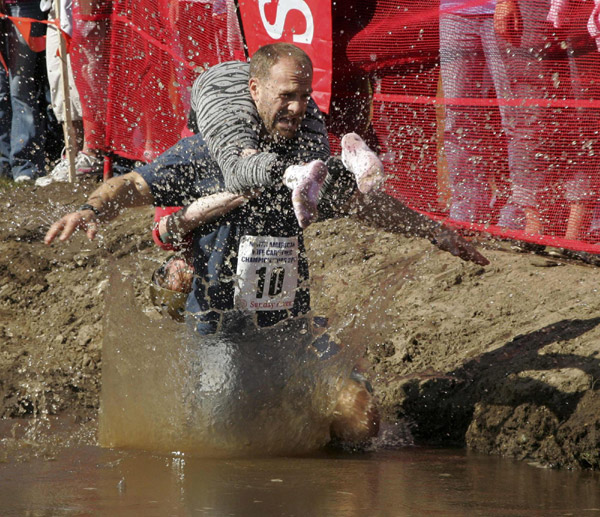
{"points": [[247, 392]]}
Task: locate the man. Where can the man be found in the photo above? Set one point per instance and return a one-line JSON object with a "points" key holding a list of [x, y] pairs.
{"points": [[23, 124], [259, 129]]}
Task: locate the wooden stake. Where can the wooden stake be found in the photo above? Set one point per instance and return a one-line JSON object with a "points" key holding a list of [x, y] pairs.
{"points": [[68, 129]]}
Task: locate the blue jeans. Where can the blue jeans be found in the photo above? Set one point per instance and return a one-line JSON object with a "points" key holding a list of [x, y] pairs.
{"points": [[22, 97], [236, 323]]}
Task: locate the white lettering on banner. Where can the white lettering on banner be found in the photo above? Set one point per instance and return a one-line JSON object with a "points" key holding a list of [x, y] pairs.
{"points": [[275, 30]]}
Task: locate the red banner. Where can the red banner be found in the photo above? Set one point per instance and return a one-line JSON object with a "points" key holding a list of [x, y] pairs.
{"points": [[305, 23]]}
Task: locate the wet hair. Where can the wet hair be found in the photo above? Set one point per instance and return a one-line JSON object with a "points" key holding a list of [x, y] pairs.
{"points": [[269, 55]]}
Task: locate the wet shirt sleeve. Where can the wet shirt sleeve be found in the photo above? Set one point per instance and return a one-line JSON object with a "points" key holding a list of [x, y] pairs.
{"points": [[182, 174]]}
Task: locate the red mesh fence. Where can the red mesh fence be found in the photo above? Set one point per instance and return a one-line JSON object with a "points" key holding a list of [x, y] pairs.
{"points": [[135, 62], [492, 124]]}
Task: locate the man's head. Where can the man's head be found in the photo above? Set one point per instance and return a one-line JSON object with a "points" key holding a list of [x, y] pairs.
{"points": [[281, 84]]}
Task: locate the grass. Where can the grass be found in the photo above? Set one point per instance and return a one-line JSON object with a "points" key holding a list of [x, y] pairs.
{"points": [[6, 184]]}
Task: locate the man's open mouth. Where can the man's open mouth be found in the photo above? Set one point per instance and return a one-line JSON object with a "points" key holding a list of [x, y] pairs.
{"points": [[288, 123]]}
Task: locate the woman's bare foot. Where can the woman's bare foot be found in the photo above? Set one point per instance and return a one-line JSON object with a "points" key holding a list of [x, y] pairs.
{"points": [[533, 221]]}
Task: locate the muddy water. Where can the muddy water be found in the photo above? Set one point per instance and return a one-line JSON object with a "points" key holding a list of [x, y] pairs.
{"points": [[241, 391], [164, 390], [88, 480]]}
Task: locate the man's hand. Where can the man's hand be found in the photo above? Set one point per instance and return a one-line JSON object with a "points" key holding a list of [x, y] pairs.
{"points": [[508, 22], [70, 223], [108, 200], [450, 241]]}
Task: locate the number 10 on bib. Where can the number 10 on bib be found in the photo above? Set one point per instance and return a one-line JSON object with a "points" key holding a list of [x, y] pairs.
{"points": [[267, 273]]}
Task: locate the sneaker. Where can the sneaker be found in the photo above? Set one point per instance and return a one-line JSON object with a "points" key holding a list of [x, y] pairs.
{"points": [[23, 178], [366, 166], [88, 164], [84, 164], [306, 182], [512, 217], [59, 173]]}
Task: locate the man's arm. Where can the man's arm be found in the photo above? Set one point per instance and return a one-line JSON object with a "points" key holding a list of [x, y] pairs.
{"points": [[383, 211], [173, 228], [131, 190], [104, 204]]}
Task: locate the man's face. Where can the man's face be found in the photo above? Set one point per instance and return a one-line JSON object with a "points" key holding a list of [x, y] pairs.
{"points": [[282, 99]]}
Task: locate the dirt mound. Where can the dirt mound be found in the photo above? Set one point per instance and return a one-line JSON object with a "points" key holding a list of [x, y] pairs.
{"points": [[502, 359]]}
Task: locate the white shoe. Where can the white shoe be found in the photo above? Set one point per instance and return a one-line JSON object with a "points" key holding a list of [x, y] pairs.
{"points": [[88, 164], [366, 166], [22, 179], [306, 182], [59, 173], [84, 164]]}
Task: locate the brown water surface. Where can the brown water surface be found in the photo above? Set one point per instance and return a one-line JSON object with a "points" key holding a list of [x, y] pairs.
{"points": [[411, 481]]}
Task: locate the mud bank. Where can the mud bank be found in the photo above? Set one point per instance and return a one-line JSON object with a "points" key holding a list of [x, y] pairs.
{"points": [[502, 359]]}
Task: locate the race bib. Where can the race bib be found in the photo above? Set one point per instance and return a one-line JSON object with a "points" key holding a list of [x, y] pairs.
{"points": [[267, 273]]}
